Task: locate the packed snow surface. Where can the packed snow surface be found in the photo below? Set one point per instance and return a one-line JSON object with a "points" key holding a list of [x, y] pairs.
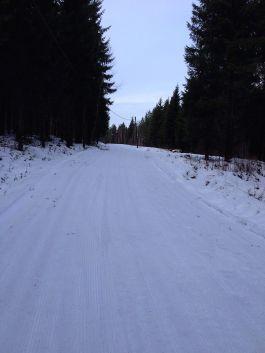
{"points": [[121, 250]]}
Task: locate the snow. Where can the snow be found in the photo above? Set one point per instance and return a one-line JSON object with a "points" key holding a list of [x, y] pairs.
{"points": [[18, 168], [121, 250], [223, 187]]}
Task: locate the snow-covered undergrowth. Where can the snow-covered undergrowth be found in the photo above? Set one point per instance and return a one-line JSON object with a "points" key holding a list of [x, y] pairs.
{"points": [[236, 189], [17, 166]]}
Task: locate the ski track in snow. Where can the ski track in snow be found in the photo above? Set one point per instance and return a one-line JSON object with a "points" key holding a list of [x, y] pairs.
{"points": [[106, 253]]}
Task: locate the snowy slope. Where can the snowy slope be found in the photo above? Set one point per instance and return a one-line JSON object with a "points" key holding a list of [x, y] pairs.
{"points": [[227, 189], [119, 251], [18, 168]]}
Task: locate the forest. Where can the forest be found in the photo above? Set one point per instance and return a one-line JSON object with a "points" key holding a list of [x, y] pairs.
{"points": [[220, 110], [148, 235], [55, 67]]}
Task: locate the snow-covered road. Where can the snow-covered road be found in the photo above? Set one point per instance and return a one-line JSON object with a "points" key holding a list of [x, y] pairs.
{"points": [[105, 253]]}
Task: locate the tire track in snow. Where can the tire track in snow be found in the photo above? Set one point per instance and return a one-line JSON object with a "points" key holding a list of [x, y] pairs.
{"points": [[124, 268], [13, 239], [66, 308], [41, 252]]}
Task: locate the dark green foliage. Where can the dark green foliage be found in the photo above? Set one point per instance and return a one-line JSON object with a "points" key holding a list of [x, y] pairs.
{"points": [[164, 127], [131, 133], [156, 125], [224, 81], [174, 124], [122, 134], [54, 68], [144, 129], [112, 134], [222, 108]]}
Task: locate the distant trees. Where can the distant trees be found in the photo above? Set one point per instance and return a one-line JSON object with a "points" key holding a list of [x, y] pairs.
{"points": [[174, 125], [54, 67], [222, 108], [164, 126], [123, 134]]}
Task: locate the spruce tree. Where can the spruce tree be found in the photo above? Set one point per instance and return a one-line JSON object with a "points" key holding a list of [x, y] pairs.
{"points": [[219, 64], [55, 68], [130, 138], [156, 125], [172, 116]]}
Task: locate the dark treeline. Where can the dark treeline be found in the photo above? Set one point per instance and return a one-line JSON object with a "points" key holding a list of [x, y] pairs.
{"points": [[224, 99], [222, 108], [123, 134], [54, 68], [164, 127]]}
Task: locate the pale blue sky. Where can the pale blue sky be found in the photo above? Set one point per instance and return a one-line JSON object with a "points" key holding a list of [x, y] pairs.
{"points": [[148, 39]]}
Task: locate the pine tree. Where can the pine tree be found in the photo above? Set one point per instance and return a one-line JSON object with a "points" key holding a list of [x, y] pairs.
{"points": [[144, 130], [55, 67], [122, 132], [163, 132], [112, 134], [255, 107], [222, 71], [156, 125], [44, 67], [130, 138], [172, 116]]}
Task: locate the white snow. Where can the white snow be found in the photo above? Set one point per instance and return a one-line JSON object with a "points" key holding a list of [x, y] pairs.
{"points": [[223, 187], [128, 251]]}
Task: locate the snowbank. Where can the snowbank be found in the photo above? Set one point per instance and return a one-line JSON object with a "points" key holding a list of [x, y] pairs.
{"points": [[229, 188], [236, 189], [16, 166]]}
